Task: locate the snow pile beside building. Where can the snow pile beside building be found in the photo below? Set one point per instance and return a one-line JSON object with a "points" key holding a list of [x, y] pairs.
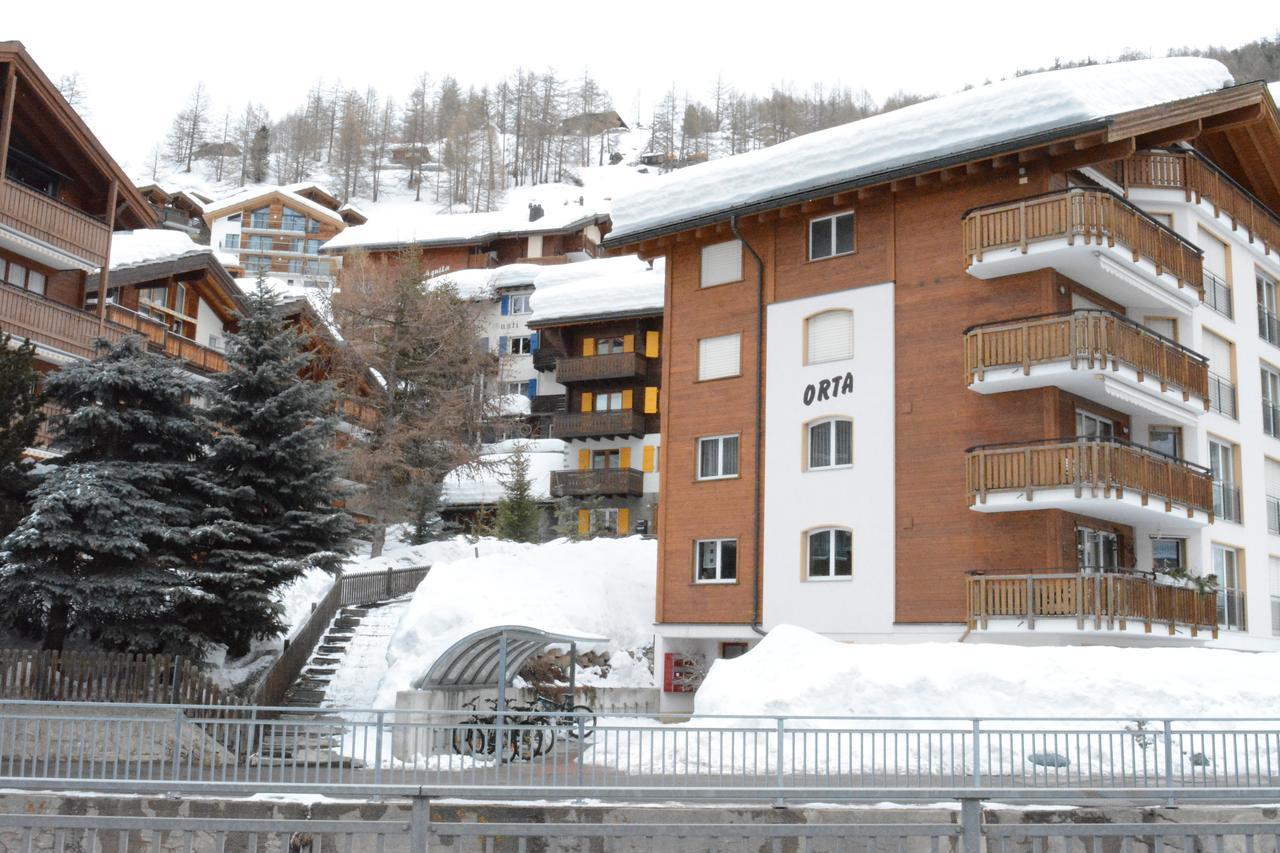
{"points": [[613, 286], [1000, 113], [484, 482], [602, 587], [810, 675]]}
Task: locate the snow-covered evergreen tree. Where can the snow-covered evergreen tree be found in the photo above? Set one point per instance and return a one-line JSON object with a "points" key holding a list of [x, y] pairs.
{"points": [[104, 553], [517, 516], [275, 478], [20, 419]]}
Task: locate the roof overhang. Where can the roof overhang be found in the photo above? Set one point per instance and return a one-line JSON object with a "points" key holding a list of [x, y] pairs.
{"points": [[228, 297], [558, 322]]}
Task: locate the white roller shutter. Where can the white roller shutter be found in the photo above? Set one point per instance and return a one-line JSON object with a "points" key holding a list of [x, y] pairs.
{"points": [[830, 336], [719, 357], [722, 263], [1273, 478], [1215, 253], [1218, 350]]}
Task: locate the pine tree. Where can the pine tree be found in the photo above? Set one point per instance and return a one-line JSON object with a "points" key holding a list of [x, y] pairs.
{"points": [[20, 419], [274, 475], [103, 555], [517, 518]]}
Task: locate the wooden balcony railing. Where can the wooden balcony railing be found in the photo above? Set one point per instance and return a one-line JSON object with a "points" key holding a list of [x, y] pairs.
{"points": [[1108, 465], [61, 327], [151, 329], [597, 424], [53, 222], [1093, 216], [547, 404], [1090, 339], [1199, 179], [545, 358], [592, 368], [592, 482], [200, 357], [1110, 599]]}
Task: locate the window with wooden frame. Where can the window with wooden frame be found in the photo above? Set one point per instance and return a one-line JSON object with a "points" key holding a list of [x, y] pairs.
{"points": [[717, 457], [612, 401], [610, 345], [606, 460], [721, 263], [715, 561], [733, 649], [830, 236], [830, 443], [829, 553], [22, 274], [828, 336]]}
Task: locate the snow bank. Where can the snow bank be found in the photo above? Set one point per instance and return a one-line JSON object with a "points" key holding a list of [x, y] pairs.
{"points": [[624, 285], [967, 121], [602, 587], [810, 675], [485, 481]]}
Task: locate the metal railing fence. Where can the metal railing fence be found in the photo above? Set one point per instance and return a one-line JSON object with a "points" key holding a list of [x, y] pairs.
{"points": [[176, 746]]}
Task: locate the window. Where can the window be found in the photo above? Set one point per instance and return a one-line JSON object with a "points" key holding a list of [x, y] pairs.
{"points": [[608, 402], [831, 443], [1166, 440], [519, 303], [35, 281], [830, 553], [717, 457], [231, 241], [719, 357], [258, 218], [715, 560], [1268, 325], [1273, 565], [1093, 426], [313, 226], [721, 263], [1271, 401], [313, 247], [1271, 475], [1168, 553], [606, 346], [259, 243], [1226, 565], [604, 519], [731, 650], [606, 460], [16, 274], [1222, 373], [516, 388], [830, 236], [521, 345], [293, 221], [1226, 494], [1097, 550], [829, 336]]}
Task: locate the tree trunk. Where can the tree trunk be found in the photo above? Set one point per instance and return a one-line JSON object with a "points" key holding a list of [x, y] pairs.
{"points": [[379, 540], [56, 628]]}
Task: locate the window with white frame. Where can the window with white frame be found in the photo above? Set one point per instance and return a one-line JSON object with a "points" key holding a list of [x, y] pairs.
{"points": [[516, 388], [1231, 601], [830, 553], [831, 236], [1271, 401], [519, 303], [715, 560], [717, 457], [1226, 492], [721, 263], [520, 345], [1268, 310], [608, 402], [831, 443], [608, 346], [719, 357], [1273, 566], [829, 336], [1089, 425]]}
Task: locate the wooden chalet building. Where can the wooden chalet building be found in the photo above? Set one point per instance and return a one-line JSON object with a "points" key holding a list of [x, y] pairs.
{"points": [[599, 327], [995, 367], [179, 210], [278, 231]]}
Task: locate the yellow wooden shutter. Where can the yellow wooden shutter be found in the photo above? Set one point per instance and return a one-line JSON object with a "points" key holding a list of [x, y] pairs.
{"points": [[624, 458], [628, 400], [586, 401], [648, 459], [651, 344], [628, 343], [650, 400], [584, 521], [588, 346], [584, 459], [624, 521]]}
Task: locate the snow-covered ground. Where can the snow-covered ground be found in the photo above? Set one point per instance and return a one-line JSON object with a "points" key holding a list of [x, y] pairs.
{"points": [[355, 681]]}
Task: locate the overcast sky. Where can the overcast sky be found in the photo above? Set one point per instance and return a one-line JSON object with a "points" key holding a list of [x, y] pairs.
{"points": [[138, 61]]}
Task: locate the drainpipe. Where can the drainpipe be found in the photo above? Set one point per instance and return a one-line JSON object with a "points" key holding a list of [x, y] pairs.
{"points": [[755, 507]]}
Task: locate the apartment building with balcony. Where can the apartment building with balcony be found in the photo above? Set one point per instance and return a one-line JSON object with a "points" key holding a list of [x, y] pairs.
{"points": [[599, 325], [994, 368], [278, 231]]}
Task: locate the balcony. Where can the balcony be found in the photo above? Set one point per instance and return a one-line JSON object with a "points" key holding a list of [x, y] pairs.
{"points": [[1091, 600], [1093, 237], [47, 219], [1217, 294], [598, 424], [1106, 478], [597, 483], [545, 358], [1098, 355], [159, 337], [593, 368], [52, 324], [547, 404]]}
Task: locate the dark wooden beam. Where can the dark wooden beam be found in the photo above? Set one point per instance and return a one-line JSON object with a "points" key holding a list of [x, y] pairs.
{"points": [[6, 115], [1172, 133], [1233, 118], [104, 284], [1097, 154]]}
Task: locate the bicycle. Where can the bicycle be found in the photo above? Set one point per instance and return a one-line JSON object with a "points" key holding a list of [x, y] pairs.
{"points": [[573, 721], [525, 739]]}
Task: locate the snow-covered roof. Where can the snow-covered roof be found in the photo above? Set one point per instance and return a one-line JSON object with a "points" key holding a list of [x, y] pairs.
{"points": [[246, 196], [485, 482], [410, 223], [967, 122], [606, 287], [149, 245], [1275, 91], [480, 284]]}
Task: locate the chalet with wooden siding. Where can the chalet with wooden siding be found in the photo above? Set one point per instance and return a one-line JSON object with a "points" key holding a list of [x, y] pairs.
{"points": [[599, 326], [1002, 366], [179, 210]]}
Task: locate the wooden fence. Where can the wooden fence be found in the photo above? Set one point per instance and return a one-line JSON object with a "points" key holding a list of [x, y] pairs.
{"points": [[1092, 216], [106, 677], [347, 590], [1093, 338], [1110, 599]]}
